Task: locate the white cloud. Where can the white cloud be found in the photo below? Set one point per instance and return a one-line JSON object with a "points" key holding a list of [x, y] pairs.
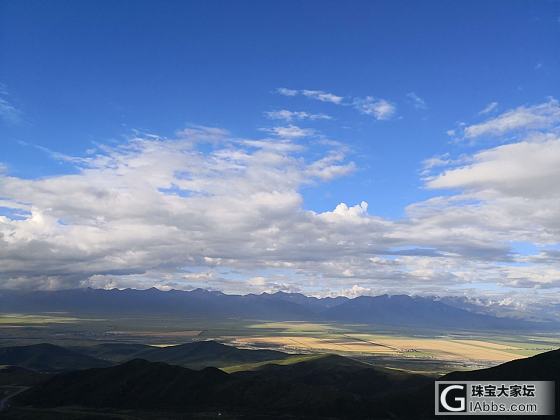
{"points": [[330, 167], [322, 96], [318, 95], [187, 211], [284, 114], [343, 213], [380, 109], [492, 106], [203, 133], [541, 116], [526, 169], [154, 204], [290, 131], [287, 92]]}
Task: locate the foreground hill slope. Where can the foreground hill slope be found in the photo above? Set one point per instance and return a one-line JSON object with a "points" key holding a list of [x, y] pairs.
{"points": [[542, 367], [19, 376], [326, 386], [134, 384]]}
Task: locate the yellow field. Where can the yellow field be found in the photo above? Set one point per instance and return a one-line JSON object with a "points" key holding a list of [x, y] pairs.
{"points": [[452, 349], [475, 350], [299, 343]]}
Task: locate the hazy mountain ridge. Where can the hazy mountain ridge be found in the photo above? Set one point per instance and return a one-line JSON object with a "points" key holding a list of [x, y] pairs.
{"points": [[415, 311], [396, 310]]}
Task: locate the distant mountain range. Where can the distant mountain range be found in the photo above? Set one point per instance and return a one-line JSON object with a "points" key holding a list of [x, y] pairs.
{"points": [[397, 310], [325, 387]]}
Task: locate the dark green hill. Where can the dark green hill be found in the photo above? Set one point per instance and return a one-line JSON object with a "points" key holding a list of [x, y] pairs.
{"points": [[201, 354], [542, 367], [330, 386], [324, 387], [115, 352], [195, 355], [134, 384], [47, 357]]}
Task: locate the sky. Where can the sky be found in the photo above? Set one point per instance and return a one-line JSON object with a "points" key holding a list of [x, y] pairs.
{"points": [[323, 147]]}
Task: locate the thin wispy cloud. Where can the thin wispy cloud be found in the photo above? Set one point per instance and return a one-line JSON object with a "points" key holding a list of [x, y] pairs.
{"points": [[524, 118], [318, 95], [322, 96], [492, 106], [9, 113], [290, 131], [287, 92], [203, 133], [286, 115], [378, 108], [416, 101]]}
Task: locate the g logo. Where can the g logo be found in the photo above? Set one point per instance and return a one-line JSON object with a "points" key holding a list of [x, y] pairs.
{"points": [[452, 398]]}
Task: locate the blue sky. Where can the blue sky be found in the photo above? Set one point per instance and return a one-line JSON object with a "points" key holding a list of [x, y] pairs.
{"points": [[77, 75], [84, 72]]}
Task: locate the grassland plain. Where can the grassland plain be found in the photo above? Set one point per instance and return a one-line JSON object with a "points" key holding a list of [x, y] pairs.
{"points": [[417, 350]]}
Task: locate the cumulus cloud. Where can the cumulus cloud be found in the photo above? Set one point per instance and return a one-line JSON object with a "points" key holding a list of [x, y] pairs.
{"points": [[156, 203], [207, 209], [529, 168]]}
